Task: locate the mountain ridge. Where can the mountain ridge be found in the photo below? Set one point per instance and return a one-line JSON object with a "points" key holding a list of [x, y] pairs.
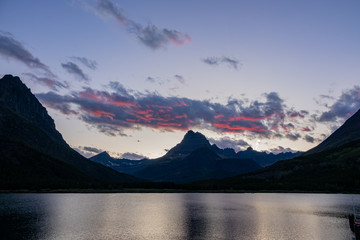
{"points": [[32, 127], [333, 167], [184, 163], [348, 132]]}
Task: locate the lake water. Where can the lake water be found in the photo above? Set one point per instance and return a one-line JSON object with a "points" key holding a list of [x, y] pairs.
{"points": [[176, 216]]}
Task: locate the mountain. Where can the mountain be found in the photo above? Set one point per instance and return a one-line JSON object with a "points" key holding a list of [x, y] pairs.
{"points": [[333, 166], [26, 127], [266, 159], [193, 159], [190, 142], [120, 165], [348, 132], [201, 163]]}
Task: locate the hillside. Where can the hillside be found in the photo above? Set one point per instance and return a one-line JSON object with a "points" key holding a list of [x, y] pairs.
{"points": [[26, 126], [348, 132]]}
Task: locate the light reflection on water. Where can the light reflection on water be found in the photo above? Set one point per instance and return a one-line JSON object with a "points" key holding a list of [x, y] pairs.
{"points": [[175, 216]]}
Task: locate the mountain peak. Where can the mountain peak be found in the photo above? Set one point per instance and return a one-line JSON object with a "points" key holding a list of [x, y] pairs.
{"points": [[18, 98], [191, 141], [249, 149], [104, 154], [191, 135]]}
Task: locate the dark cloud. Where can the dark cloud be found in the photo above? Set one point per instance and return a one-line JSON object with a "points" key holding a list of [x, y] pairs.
{"points": [[281, 149], [58, 102], [75, 70], [344, 107], [13, 49], [293, 137], [92, 149], [47, 81], [112, 112], [232, 62], [227, 142], [309, 139], [132, 156], [88, 151], [151, 36], [92, 64], [155, 38]]}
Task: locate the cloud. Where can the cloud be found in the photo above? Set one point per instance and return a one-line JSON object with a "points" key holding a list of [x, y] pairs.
{"points": [[113, 111], [151, 79], [232, 62], [151, 36], [88, 151], [173, 83], [293, 137], [92, 64], [58, 102], [180, 79], [93, 150], [227, 142], [309, 139], [75, 70], [281, 149], [132, 156], [47, 81], [155, 38], [13, 49], [344, 107]]}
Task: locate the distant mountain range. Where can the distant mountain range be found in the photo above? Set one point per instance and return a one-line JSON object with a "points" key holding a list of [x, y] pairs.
{"points": [[332, 166], [193, 159], [33, 153]]}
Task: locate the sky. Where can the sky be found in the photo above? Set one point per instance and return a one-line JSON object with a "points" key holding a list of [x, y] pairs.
{"points": [[131, 77]]}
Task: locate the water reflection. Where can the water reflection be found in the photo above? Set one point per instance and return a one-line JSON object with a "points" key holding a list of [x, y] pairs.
{"points": [[174, 216], [21, 216]]}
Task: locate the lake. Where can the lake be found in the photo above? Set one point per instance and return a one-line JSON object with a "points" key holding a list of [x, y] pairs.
{"points": [[262, 216]]}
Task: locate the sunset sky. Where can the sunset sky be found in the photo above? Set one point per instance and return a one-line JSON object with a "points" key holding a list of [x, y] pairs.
{"points": [[131, 77]]}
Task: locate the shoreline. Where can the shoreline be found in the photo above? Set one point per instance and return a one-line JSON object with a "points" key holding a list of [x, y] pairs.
{"points": [[153, 190]]}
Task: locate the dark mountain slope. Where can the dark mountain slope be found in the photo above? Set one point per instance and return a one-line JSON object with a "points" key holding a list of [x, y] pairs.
{"points": [[202, 163], [191, 141], [334, 170], [25, 122], [333, 166], [24, 168], [348, 132]]}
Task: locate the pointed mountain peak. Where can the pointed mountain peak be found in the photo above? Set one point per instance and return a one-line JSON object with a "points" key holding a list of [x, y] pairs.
{"points": [[195, 136], [10, 79], [15, 96], [104, 154], [191, 141], [102, 157]]}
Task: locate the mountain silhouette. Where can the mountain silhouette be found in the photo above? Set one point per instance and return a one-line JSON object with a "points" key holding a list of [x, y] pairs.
{"points": [[348, 132], [191, 141], [332, 166], [194, 158], [26, 127]]}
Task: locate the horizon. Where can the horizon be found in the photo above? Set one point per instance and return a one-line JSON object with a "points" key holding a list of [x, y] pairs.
{"points": [[130, 78]]}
